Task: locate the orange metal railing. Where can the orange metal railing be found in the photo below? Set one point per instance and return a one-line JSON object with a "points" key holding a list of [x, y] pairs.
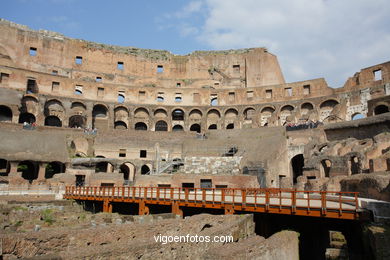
{"points": [[284, 201]]}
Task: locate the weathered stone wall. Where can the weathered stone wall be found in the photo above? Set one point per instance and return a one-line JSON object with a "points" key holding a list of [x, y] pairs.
{"points": [[212, 165]]}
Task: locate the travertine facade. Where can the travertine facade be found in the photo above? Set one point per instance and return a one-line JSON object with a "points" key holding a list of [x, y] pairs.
{"points": [[96, 100]]}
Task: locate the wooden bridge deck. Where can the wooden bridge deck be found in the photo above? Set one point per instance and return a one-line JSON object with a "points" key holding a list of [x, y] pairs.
{"points": [[339, 205]]}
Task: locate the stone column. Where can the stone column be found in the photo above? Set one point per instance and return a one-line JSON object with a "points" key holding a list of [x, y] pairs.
{"points": [[41, 172], [13, 167]]}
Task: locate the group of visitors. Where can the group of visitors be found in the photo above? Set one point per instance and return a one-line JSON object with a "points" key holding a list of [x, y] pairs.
{"points": [[302, 125], [29, 126], [90, 131]]}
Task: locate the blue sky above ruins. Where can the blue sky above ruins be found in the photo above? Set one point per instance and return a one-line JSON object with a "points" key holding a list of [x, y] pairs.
{"points": [[312, 38]]}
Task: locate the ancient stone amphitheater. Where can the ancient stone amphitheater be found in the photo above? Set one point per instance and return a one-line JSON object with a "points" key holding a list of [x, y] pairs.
{"points": [[74, 112]]}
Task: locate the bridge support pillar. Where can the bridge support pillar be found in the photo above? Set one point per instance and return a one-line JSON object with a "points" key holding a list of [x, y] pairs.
{"points": [[229, 210], [176, 209], [143, 209], [107, 206]]}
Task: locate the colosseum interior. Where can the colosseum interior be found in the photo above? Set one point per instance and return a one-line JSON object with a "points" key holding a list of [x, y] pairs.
{"points": [[75, 112]]}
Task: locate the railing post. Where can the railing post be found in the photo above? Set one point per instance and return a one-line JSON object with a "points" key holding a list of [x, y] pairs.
{"points": [[293, 201], [323, 202], [243, 195], [267, 200]]}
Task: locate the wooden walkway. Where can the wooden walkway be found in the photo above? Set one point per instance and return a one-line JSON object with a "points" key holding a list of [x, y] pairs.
{"points": [[339, 205]]}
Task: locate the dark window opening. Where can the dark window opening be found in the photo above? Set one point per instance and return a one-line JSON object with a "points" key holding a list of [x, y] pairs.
{"points": [[230, 126], [268, 93], [214, 101], [377, 74], [26, 118], [188, 185], [77, 121], [120, 125], [236, 68], [122, 152], [178, 99], [53, 121], [100, 92], [306, 89], [79, 60], [33, 51], [326, 165], [5, 114], [195, 128], [54, 168], [178, 84], [120, 65], [161, 126], [54, 72], [78, 90], [55, 86], [206, 183], [213, 127], [297, 163], [355, 165], [145, 170], [121, 98], [142, 154], [160, 68], [4, 77], [177, 128], [141, 126], [32, 86], [29, 170], [98, 79], [381, 109], [178, 114], [80, 180], [4, 168]]}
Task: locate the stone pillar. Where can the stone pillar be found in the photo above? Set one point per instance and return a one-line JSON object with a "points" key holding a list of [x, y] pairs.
{"points": [[13, 167], [41, 172]]}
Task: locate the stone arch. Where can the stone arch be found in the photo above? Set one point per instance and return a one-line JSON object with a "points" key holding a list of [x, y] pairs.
{"points": [[213, 127], [54, 107], [285, 112], [230, 126], [160, 113], [381, 109], [99, 116], [297, 163], [128, 170], [79, 146], [326, 108], [30, 104], [265, 114], [231, 113], [357, 116], [325, 167], [26, 117], [195, 114], [121, 113], [77, 121], [29, 170], [249, 113], [178, 114], [161, 125], [53, 121], [195, 128], [104, 167], [54, 168], [120, 125], [145, 170], [78, 107], [177, 128], [354, 165], [5, 114], [141, 113], [141, 126], [306, 108]]}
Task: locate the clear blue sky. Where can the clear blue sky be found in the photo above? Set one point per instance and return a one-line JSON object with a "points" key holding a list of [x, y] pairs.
{"points": [[312, 38]]}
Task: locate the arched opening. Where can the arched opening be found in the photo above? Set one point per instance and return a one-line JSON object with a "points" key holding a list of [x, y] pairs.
{"points": [[357, 116], [121, 98], [230, 126], [120, 125], [214, 102], [297, 163], [5, 114], [195, 114], [381, 109], [266, 113], [29, 170], [99, 116], [77, 121], [161, 126], [177, 128], [99, 111], [121, 113], [78, 107], [326, 109], [325, 167], [104, 167], [354, 165], [4, 167], [231, 113], [125, 170], [141, 126], [53, 168], [26, 117], [213, 127], [141, 113], [145, 170], [178, 115], [160, 113], [53, 121], [195, 128], [306, 108], [249, 113]]}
